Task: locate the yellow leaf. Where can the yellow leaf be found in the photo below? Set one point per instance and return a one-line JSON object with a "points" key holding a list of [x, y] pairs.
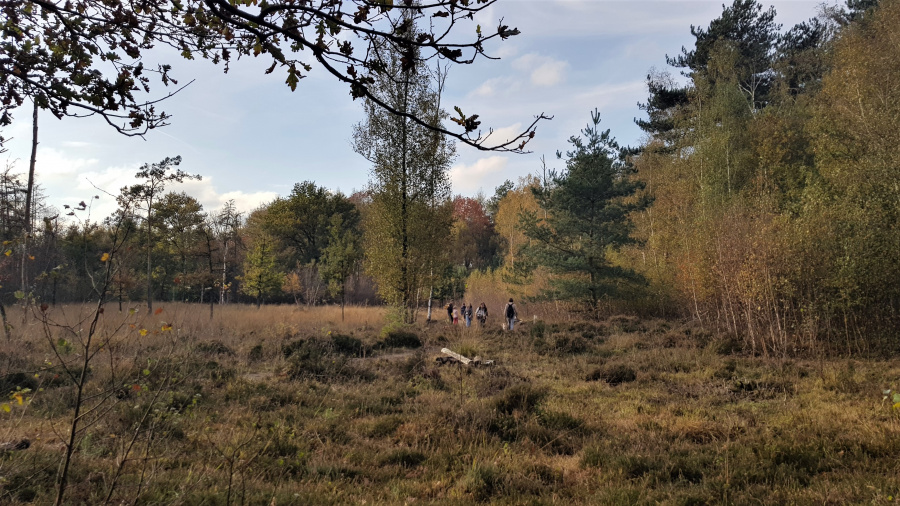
{"points": [[897, 406], [8, 252], [143, 332], [105, 257], [18, 398], [6, 408], [31, 257]]}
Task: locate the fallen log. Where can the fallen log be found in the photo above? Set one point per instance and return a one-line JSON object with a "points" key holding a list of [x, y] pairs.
{"points": [[457, 356]]}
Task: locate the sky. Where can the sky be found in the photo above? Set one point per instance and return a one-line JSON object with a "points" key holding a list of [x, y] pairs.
{"points": [[251, 138]]}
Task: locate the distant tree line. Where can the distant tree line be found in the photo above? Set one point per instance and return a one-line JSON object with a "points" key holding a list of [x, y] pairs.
{"points": [[303, 248]]}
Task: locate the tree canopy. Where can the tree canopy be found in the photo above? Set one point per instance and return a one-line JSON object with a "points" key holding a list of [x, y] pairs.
{"points": [[408, 220], [87, 57], [584, 214]]}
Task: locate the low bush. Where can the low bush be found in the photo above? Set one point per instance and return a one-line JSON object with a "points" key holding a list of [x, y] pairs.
{"points": [[613, 374], [401, 339], [214, 348], [523, 397], [346, 345]]}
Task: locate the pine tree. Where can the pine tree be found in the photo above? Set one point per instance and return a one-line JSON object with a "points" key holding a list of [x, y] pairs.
{"points": [[752, 33], [584, 215]]}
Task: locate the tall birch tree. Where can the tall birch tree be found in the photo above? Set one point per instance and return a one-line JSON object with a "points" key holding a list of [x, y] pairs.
{"points": [[407, 228]]}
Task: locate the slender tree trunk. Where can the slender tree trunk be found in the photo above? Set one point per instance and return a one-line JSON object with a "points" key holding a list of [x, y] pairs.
{"points": [[430, 296], [5, 323], [212, 274], [149, 265], [224, 272], [29, 198], [404, 232]]}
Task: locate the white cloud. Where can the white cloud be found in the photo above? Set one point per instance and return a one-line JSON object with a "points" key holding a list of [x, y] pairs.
{"points": [[54, 163], [108, 180], [544, 71], [207, 194], [526, 62], [469, 178], [496, 87], [75, 144], [487, 88], [84, 185], [549, 73], [246, 202], [614, 95]]}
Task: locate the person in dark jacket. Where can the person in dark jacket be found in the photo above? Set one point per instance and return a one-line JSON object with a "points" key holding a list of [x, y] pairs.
{"points": [[511, 314]]}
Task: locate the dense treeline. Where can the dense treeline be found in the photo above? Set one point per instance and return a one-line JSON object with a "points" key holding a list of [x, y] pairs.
{"points": [[774, 175], [771, 169], [302, 248]]}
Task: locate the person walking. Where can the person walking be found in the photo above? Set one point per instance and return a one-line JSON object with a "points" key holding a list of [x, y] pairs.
{"points": [[511, 314], [481, 314], [468, 315], [462, 311], [455, 316], [450, 312]]}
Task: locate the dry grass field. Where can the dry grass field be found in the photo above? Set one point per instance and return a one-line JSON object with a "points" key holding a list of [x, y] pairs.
{"points": [[287, 405]]}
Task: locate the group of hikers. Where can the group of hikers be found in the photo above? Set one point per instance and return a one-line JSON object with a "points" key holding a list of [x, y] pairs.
{"points": [[466, 312]]}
